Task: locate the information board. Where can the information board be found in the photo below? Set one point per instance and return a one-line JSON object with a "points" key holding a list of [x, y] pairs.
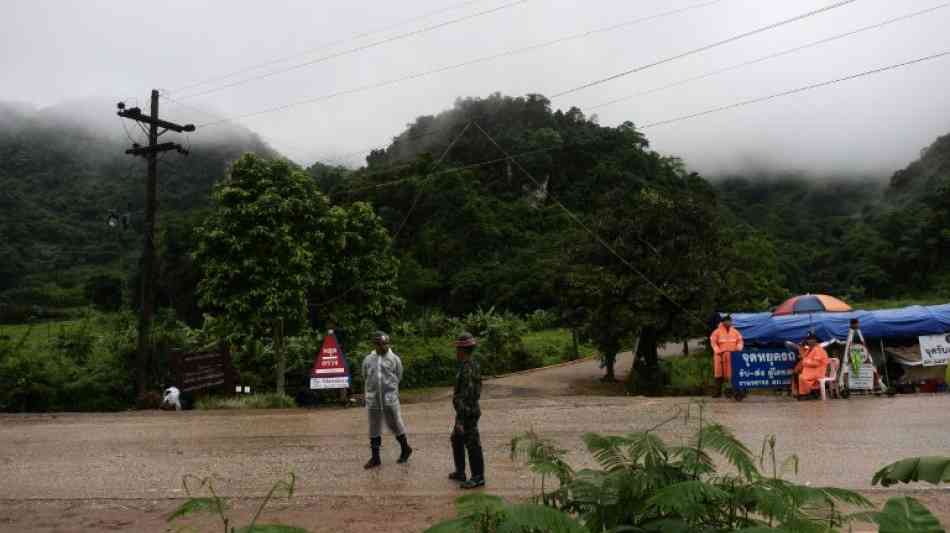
{"points": [[934, 349], [203, 370], [762, 368]]}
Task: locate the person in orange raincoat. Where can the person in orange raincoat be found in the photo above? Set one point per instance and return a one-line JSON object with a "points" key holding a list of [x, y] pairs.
{"points": [[724, 340], [812, 365]]}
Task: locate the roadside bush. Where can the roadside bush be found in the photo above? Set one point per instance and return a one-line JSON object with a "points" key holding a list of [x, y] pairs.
{"points": [[542, 319], [82, 367], [500, 335], [74, 342], [435, 323], [524, 359], [687, 375], [427, 362], [253, 401]]}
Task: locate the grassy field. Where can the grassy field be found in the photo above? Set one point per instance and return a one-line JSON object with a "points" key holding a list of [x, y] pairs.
{"points": [[555, 345], [37, 335]]}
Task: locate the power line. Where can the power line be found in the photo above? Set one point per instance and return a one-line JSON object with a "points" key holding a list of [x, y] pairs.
{"points": [[685, 81], [326, 45], [795, 91], [514, 158], [694, 51], [353, 50], [668, 121], [405, 219], [482, 59], [772, 56], [592, 233]]}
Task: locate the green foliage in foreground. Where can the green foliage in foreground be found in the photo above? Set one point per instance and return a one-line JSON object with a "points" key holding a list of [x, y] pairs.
{"points": [[217, 505], [643, 484], [254, 401]]}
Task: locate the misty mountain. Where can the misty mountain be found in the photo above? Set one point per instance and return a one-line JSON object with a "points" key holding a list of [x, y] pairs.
{"points": [[923, 177], [63, 169]]}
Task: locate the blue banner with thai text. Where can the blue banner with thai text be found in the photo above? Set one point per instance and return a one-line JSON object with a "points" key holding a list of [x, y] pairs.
{"points": [[762, 369]]}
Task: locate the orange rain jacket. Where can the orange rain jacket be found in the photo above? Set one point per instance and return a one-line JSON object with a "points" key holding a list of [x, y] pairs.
{"points": [[724, 341], [814, 367]]}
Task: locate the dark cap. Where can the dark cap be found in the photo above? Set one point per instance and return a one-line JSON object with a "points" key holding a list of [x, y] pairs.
{"points": [[465, 340], [811, 335], [381, 336], [727, 317]]}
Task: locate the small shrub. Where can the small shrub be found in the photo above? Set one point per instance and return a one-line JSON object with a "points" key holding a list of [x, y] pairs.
{"points": [[541, 319], [500, 335], [212, 503], [687, 374], [74, 342], [253, 401], [435, 323], [524, 359]]}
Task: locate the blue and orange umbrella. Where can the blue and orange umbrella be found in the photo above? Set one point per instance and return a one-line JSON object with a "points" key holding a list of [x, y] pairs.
{"points": [[811, 303]]}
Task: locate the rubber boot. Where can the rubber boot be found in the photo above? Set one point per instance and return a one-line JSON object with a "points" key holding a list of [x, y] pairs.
{"points": [[477, 460], [374, 444], [458, 455], [406, 450], [717, 393]]}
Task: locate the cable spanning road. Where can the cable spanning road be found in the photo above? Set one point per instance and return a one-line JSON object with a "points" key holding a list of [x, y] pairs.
{"points": [[94, 472]]}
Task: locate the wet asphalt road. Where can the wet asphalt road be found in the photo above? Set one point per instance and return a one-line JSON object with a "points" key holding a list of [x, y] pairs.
{"points": [[145, 454]]}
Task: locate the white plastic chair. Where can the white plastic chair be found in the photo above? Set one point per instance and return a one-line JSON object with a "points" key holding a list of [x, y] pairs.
{"points": [[831, 380]]}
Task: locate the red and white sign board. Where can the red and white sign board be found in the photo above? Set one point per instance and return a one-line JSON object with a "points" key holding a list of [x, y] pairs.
{"points": [[330, 368]]}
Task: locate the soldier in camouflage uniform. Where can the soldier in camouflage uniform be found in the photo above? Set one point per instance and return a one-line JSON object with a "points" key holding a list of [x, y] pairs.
{"points": [[468, 389], [382, 372]]}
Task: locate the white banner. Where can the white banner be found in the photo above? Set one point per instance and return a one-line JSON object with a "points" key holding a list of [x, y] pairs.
{"points": [[935, 349], [863, 379], [329, 383]]}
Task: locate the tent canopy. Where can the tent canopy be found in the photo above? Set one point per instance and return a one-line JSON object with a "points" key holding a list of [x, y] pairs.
{"points": [[905, 322]]}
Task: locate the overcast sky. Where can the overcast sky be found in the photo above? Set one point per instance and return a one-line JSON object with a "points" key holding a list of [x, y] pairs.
{"points": [[51, 51]]}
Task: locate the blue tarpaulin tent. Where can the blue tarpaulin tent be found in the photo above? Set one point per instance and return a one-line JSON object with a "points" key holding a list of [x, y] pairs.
{"points": [[905, 322]]}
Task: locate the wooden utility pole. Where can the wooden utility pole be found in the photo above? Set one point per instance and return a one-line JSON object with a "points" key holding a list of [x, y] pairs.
{"points": [[150, 153]]}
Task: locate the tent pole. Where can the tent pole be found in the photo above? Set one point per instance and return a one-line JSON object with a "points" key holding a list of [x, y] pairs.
{"points": [[884, 355]]}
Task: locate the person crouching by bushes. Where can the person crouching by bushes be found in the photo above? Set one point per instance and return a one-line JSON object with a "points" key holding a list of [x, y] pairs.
{"points": [[468, 390], [382, 372]]}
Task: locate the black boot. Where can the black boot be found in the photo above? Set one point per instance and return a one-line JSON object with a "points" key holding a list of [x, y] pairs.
{"points": [[718, 391], [374, 444], [477, 460], [458, 455], [406, 450]]}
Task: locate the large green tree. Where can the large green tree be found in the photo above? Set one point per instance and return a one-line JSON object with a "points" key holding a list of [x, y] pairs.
{"points": [[257, 249], [648, 265], [362, 288]]}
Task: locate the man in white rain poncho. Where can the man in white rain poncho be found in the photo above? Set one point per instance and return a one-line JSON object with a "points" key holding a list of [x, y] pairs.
{"points": [[382, 372]]}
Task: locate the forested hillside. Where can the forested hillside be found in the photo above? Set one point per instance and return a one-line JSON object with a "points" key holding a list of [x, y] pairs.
{"points": [[63, 170], [471, 228], [861, 238]]}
